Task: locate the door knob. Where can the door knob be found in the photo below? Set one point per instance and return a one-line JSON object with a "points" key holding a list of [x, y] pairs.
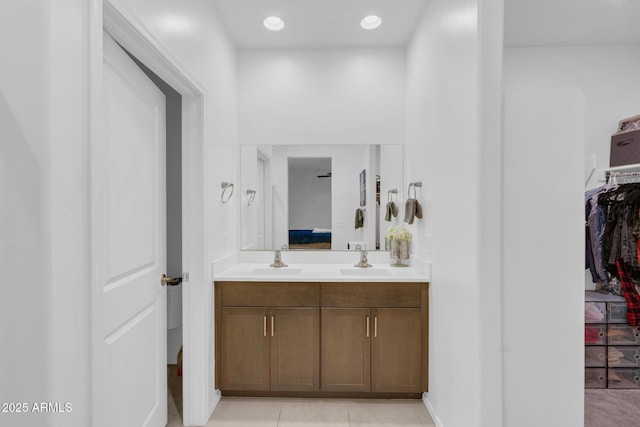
{"points": [[171, 281]]}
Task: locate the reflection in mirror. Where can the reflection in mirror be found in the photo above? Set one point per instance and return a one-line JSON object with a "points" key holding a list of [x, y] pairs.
{"points": [[305, 188], [310, 203]]}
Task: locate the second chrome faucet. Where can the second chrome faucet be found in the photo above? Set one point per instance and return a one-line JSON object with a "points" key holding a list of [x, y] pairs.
{"points": [[363, 258], [277, 258]]}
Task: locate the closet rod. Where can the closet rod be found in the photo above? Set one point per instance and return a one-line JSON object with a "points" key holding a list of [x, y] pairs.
{"points": [[622, 177]]}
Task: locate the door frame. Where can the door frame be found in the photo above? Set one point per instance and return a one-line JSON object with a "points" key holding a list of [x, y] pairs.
{"points": [[199, 399]]}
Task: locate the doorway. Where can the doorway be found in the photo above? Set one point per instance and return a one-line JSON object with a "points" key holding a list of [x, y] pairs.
{"points": [[173, 163], [199, 397]]}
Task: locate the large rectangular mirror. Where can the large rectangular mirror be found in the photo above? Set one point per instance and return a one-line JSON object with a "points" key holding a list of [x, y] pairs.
{"points": [[319, 196]]}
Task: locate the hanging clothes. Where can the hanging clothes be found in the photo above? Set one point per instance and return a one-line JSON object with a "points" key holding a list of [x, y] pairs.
{"points": [[612, 250], [630, 294]]}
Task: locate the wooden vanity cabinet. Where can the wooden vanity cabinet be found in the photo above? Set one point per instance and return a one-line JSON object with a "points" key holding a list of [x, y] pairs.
{"points": [[396, 350], [327, 338], [268, 337], [243, 350], [373, 337], [346, 349]]}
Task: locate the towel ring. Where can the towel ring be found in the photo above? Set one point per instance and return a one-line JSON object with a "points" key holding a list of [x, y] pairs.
{"points": [[226, 186], [389, 194], [252, 195], [414, 185]]}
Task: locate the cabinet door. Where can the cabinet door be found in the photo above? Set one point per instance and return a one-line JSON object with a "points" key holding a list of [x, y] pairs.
{"points": [[346, 349], [295, 349], [244, 352], [396, 353]]}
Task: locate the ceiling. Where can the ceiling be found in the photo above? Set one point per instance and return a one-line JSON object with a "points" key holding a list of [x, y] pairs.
{"points": [[571, 22], [335, 23], [319, 23]]}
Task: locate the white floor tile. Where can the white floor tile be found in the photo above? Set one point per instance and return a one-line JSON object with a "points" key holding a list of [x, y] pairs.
{"points": [[390, 413], [278, 412], [314, 413], [246, 412]]}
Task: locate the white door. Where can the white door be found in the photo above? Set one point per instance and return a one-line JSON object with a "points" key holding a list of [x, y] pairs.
{"points": [[128, 180]]}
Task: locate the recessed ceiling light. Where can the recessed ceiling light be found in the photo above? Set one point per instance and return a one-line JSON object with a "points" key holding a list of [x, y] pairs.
{"points": [[273, 23], [370, 22]]}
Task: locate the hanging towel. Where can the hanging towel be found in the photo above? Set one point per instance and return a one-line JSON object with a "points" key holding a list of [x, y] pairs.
{"points": [[392, 211], [418, 210], [412, 210], [359, 218]]}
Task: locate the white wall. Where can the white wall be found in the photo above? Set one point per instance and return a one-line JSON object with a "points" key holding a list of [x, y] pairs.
{"points": [[25, 224], [391, 178], [607, 75], [608, 78], [44, 244], [249, 180], [443, 150], [44, 165], [321, 96], [309, 199], [543, 255]]}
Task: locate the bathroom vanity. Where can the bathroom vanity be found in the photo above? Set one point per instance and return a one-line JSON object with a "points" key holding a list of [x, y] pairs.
{"points": [[358, 334]]}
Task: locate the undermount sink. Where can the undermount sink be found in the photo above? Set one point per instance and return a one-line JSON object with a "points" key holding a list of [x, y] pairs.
{"points": [[359, 271], [277, 271]]}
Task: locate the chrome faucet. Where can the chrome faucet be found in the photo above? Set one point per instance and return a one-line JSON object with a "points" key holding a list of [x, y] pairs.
{"points": [[277, 259], [364, 263]]}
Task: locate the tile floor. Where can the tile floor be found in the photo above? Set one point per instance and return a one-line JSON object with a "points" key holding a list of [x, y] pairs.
{"points": [[281, 412]]}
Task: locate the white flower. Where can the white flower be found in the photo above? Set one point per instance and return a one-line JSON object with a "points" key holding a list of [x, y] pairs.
{"points": [[398, 233]]}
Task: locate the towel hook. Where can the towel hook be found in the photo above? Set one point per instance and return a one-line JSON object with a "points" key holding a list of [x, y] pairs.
{"points": [[226, 186], [414, 185], [252, 195], [389, 194]]}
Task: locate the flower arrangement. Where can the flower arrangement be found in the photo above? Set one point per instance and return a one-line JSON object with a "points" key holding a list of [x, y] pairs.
{"points": [[398, 233]]}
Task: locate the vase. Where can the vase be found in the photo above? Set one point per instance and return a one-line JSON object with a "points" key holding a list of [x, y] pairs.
{"points": [[399, 252]]}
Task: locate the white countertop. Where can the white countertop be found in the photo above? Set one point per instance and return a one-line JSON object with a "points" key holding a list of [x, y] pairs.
{"points": [[320, 273], [317, 266]]}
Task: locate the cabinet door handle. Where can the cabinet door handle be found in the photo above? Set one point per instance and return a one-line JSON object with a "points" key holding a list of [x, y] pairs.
{"points": [[271, 325], [367, 326], [624, 142], [375, 327], [264, 325]]}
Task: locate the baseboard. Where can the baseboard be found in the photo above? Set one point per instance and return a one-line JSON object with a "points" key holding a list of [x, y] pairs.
{"points": [[431, 411], [214, 400]]}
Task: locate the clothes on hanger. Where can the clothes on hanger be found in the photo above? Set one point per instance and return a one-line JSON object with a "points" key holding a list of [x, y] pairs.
{"points": [[612, 250]]}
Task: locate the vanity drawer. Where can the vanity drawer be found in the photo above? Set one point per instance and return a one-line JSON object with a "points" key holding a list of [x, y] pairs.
{"points": [[595, 357], [595, 334], [595, 378], [268, 294], [623, 357], [617, 312], [595, 312], [623, 335], [375, 294], [624, 378]]}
